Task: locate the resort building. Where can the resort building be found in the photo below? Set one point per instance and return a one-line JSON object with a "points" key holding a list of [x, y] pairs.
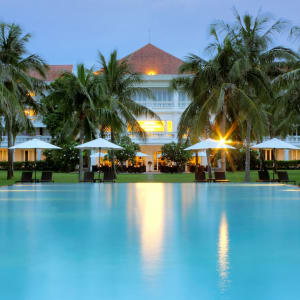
{"points": [[158, 68], [40, 129]]}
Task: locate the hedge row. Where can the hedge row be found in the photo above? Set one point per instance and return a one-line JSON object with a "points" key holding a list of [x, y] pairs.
{"points": [[41, 165], [284, 164]]}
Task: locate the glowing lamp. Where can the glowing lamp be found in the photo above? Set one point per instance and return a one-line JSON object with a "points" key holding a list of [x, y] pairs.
{"points": [[151, 72]]}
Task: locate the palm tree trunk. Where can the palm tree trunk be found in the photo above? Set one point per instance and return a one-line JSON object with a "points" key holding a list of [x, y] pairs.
{"points": [[112, 139], [247, 161], [10, 169], [208, 163], [81, 137], [223, 130]]}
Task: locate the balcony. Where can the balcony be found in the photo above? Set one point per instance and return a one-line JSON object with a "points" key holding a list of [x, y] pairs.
{"points": [[24, 138], [159, 138]]}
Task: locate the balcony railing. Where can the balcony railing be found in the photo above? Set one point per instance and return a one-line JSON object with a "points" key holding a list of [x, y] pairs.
{"points": [[24, 138]]}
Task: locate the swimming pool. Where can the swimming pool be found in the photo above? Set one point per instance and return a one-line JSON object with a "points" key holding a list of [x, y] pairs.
{"points": [[149, 241]]}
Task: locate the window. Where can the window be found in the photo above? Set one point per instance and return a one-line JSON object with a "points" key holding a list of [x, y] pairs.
{"points": [[29, 112], [163, 97], [156, 126], [183, 99]]}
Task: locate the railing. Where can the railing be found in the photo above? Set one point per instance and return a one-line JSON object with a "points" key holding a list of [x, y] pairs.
{"points": [[24, 138], [163, 136], [293, 139]]}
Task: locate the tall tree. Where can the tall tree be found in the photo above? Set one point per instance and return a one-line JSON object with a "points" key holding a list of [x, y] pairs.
{"points": [[253, 37], [73, 95], [118, 85], [16, 81], [218, 98]]}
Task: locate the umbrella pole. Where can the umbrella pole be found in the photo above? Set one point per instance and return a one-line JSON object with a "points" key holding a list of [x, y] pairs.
{"points": [[274, 159], [99, 164], [35, 165]]}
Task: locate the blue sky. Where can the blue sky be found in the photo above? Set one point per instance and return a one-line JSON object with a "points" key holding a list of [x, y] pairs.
{"points": [[71, 31]]}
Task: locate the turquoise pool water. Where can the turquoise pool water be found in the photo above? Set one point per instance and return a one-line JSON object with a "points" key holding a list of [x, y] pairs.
{"points": [[149, 241]]}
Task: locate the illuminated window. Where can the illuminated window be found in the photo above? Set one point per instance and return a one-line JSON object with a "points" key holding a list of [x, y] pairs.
{"points": [[155, 126], [152, 126], [29, 112]]}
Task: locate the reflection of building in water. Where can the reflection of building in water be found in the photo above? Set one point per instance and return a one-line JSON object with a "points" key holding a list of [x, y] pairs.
{"points": [[223, 248], [150, 214]]}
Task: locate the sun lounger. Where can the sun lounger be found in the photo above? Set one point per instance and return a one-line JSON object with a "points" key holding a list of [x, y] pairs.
{"points": [[88, 177], [46, 176], [220, 177], [109, 175], [283, 176], [26, 177], [200, 176], [263, 176]]}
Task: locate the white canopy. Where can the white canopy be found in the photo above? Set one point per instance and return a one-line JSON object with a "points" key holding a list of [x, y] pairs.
{"points": [[200, 154], [141, 154], [99, 143], [275, 144], [209, 144], [97, 154], [34, 144]]}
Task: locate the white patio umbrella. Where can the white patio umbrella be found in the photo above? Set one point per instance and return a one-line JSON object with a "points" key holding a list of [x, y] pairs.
{"points": [[35, 144], [99, 144], [275, 144], [97, 155], [141, 154], [209, 144]]}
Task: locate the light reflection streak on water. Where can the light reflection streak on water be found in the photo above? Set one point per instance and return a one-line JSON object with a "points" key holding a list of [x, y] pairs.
{"points": [[223, 249], [150, 216]]}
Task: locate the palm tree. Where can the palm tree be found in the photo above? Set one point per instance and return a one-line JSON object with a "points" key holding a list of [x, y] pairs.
{"points": [[216, 92], [252, 38], [16, 82], [118, 85], [74, 97]]}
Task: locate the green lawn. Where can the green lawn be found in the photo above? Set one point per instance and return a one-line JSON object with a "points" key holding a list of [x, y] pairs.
{"points": [[185, 177]]}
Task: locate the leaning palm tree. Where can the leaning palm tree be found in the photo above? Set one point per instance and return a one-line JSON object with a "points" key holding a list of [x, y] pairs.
{"points": [[253, 39], [218, 96], [72, 95], [16, 82], [118, 85]]}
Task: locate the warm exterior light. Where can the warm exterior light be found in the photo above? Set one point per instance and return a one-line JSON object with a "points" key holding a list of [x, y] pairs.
{"points": [[31, 93], [151, 72]]}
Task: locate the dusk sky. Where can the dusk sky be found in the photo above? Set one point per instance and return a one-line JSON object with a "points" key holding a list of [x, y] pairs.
{"points": [[71, 31]]}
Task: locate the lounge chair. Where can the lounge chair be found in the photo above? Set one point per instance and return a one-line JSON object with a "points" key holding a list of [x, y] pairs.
{"points": [[200, 176], [109, 175], [46, 176], [26, 177], [263, 176], [88, 177], [283, 176], [220, 177]]}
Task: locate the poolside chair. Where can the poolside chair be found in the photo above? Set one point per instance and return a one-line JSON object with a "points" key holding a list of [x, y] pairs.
{"points": [[46, 176], [88, 177], [109, 175], [220, 177], [263, 176], [26, 177], [200, 176], [283, 176]]}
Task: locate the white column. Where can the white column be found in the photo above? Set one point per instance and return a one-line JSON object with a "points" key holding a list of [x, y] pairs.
{"points": [[176, 99], [39, 154], [286, 155]]}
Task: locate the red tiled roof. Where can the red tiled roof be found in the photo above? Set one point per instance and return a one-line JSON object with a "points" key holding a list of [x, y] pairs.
{"points": [[54, 72], [152, 60]]}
